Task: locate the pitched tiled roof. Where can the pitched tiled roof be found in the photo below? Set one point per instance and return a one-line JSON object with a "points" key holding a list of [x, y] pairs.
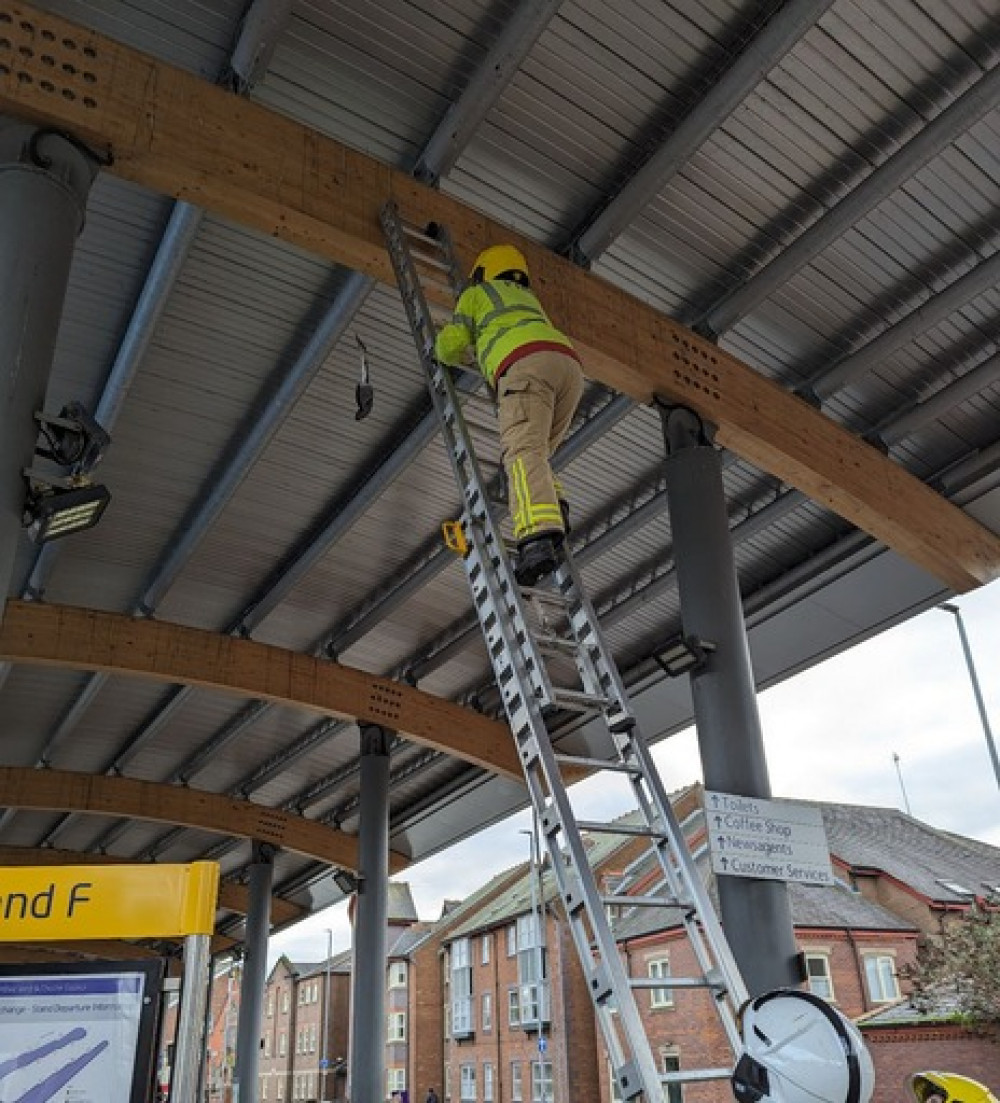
{"points": [[516, 900], [911, 851]]}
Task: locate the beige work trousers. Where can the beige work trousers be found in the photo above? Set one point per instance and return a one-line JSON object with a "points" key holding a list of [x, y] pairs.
{"points": [[537, 397]]}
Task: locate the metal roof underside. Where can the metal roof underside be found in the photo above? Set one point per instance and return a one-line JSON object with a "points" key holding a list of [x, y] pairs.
{"points": [[816, 183]]}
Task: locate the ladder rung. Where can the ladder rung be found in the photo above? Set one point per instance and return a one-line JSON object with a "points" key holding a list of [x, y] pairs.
{"points": [[600, 826], [553, 597], [557, 643], [694, 1076], [579, 700], [431, 261], [598, 764], [414, 231], [623, 899], [672, 982]]}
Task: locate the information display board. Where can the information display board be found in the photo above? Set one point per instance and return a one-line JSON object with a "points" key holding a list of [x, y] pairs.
{"points": [[82, 1031]]}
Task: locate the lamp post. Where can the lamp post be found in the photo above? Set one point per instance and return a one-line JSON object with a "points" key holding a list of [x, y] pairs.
{"points": [[324, 1061], [535, 867], [947, 607]]}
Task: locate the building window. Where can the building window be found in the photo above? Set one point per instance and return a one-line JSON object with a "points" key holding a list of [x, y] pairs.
{"points": [[487, 1083], [280, 1094], [514, 1007], [396, 1080], [270, 1004], [819, 976], [397, 974], [468, 1083], [880, 969], [447, 1081], [284, 1001], [461, 989], [512, 940], [671, 1062], [484, 950], [263, 1087], [282, 1044], [541, 1081], [298, 1040], [486, 1012], [516, 1090], [658, 969], [397, 1026], [531, 971]]}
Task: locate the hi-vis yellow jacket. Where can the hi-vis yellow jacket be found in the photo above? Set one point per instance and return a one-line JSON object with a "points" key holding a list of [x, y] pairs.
{"points": [[503, 321]]}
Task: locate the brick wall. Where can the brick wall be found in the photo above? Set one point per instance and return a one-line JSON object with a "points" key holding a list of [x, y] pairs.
{"points": [[899, 1052]]}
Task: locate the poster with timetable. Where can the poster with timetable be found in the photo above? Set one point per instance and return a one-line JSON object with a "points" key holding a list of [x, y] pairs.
{"points": [[74, 1037]]}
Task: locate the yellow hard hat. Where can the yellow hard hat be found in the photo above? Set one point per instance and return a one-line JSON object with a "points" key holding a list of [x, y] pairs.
{"points": [[952, 1088], [497, 260]]}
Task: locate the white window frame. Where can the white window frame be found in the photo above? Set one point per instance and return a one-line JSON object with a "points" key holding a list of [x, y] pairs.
{"points": [[487, 1082], [513, 1007], [657, 969], [486, 1011], [397, 974], [396, 1027], [670, 1061], [462, 1024], [880, 967], [512, 940], [395, 1080], [516, 1083], [541, 1081], [467, 1083], [484, 950], [820, 982], [282, 1044]]}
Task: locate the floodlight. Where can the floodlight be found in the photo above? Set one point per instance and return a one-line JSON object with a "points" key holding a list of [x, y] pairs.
{"points": [[346, 881], [683, 654], [54, 512]]}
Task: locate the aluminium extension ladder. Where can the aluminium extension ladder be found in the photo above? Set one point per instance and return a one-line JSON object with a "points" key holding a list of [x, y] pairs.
{"points": [[522, 649]]}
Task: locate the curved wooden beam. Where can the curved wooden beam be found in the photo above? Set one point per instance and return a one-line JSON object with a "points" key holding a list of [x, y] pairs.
{"points": [[58, 635], [64, 791], [173, 132], [233, 897]]}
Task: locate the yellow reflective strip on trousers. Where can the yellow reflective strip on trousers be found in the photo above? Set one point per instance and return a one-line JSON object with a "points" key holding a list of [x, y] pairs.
{"points": [[519, 485]]}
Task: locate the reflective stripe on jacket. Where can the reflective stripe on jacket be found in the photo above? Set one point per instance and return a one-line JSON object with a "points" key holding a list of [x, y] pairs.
{"points": [[498, 319]]}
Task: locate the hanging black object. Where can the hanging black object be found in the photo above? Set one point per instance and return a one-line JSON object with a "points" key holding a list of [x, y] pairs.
{"points": [[364, 393]]}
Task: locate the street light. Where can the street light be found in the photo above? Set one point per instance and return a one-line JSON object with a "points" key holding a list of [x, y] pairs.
{"points": [[536, 868], [324, 1062], [947, 607]]}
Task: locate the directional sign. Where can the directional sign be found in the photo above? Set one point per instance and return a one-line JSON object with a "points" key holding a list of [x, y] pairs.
{"points": [[777, 840]]}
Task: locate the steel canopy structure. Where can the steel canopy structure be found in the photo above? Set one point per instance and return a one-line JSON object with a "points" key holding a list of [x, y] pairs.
{"points": [[811, 187]]}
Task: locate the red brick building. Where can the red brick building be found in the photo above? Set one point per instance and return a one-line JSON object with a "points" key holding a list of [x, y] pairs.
{"points": [[896, 879]]}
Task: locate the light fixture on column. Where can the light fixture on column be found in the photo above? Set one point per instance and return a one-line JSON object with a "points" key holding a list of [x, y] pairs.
{"points": [[58, 505], [683, 654], [346, 881]]}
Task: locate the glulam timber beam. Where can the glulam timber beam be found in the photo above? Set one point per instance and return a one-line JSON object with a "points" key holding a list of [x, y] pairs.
{"points": [[68, 791], [85, 639], [175, 133], [233, 896]]}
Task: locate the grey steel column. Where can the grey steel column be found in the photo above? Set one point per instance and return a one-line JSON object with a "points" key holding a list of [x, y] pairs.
{"points": [[254, 972], [368, 1028], [755, 913], [44, 181]]}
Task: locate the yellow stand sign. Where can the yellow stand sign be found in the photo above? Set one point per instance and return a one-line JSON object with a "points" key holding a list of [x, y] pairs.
{"points": [[97, 902]]}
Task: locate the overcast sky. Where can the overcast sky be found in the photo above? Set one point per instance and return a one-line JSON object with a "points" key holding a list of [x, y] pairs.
{"points": [[830, 734]]}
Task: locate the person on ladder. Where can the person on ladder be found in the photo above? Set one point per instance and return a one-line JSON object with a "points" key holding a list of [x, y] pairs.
{"points": [[538, 381]]}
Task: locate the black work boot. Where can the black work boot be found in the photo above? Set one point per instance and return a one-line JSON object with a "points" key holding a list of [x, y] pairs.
{"points": [[536, 557]]}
